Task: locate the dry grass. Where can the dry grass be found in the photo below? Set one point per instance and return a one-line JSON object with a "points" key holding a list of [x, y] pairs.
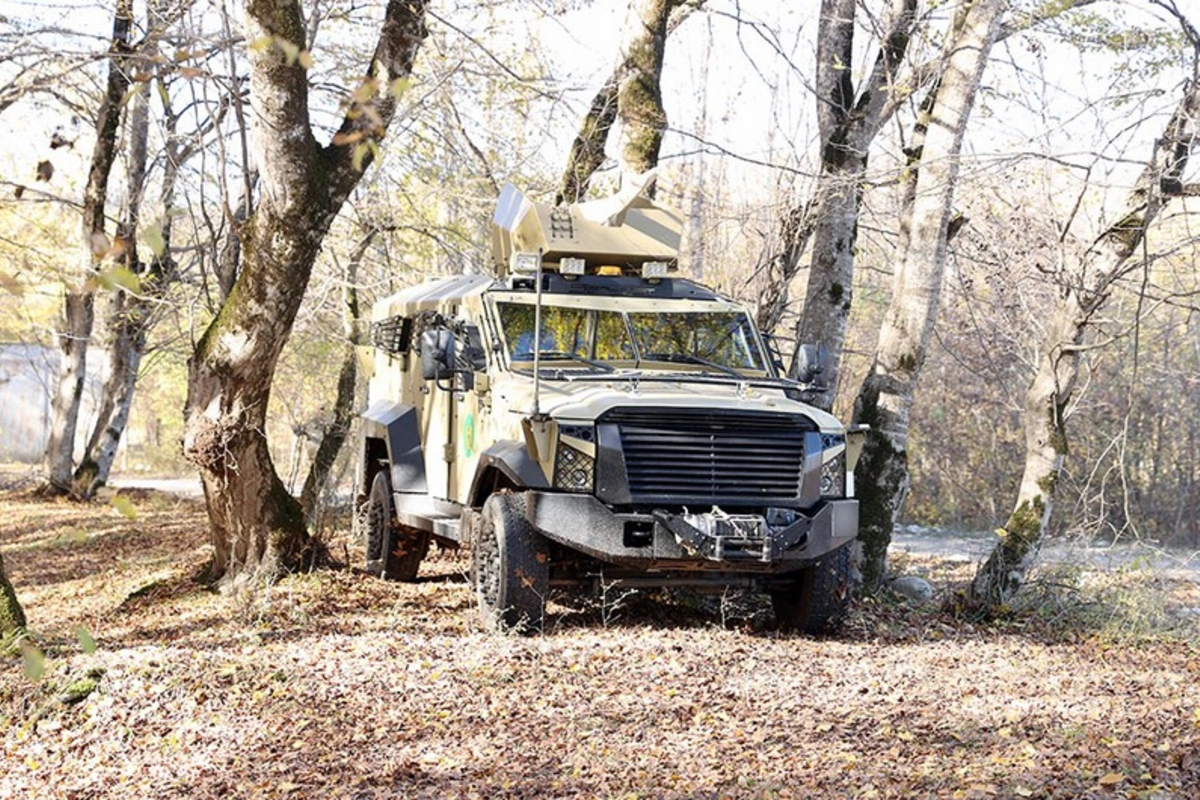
{"points": [[334, 684]]}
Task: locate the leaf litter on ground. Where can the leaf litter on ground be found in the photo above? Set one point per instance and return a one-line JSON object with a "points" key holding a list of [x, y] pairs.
{"points": [[336, 684]]}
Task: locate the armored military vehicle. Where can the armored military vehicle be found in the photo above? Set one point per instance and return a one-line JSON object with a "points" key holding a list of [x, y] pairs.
{"points": [[583, 415]]}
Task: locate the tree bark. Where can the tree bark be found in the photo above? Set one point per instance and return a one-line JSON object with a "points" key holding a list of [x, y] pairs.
{"points": [[257, 527], [639, 93], [12, 616], [1083, 295], [885, 399], [79, 304]]}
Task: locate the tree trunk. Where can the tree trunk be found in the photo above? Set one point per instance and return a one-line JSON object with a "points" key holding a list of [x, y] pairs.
{"points": [[885, 400], [79, 304], [1084, 293], [587, 151], [848, 118], [12, 616], [848, 121], [257, 527], [639, 93], [634, 90], [126, 337]]}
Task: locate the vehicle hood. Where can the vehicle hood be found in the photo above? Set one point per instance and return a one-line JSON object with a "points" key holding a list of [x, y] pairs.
{"points": [[585, 401]]}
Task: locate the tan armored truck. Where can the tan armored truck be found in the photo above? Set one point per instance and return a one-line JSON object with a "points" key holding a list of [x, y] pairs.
{"points": [[583, 416]]}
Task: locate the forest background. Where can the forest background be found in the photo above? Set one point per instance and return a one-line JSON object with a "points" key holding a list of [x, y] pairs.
{"points": [[1071, 104], [1042, 235]]}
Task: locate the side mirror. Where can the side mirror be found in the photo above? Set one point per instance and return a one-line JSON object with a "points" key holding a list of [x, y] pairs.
{"points": [[811, 361], [437, 354]]}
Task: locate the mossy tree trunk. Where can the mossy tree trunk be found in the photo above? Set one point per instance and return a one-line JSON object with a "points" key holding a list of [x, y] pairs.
{"points": [[75, 328], [12, 616], [257, 528], [1083, 294], [885, 400], [639, 92], [632, 92]]}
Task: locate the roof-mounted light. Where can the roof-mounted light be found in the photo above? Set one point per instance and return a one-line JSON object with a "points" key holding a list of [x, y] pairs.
{"points": [[524, 263], [654, 269], [610, 271], [572, 266]]}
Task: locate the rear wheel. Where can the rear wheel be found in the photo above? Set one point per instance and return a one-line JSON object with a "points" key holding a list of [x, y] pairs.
{"points": [[394, 551], [510, 566], [818, 599]]}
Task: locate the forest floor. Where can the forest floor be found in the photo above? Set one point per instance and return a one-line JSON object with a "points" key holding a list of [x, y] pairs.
{"points": [[140, 682]]}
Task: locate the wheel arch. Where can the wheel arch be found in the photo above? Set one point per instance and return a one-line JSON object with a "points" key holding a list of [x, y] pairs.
{"points": [[392, 435], [505, 465]]}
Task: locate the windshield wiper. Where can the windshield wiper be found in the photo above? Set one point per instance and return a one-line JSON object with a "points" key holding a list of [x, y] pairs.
{"points": [[689, 358], [562, 355]]}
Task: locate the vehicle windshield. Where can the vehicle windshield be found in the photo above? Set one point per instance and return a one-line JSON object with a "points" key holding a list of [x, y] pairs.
{"points": [[721, 340]]}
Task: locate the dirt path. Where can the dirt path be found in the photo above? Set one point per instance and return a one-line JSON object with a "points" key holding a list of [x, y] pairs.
{"points": [[335, 684]]}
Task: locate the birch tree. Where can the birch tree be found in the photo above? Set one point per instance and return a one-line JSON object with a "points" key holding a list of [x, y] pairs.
{"points": [[75, 328], [885, 398], [1083, 295], [850, 117], [136, 297], [257, 528]]}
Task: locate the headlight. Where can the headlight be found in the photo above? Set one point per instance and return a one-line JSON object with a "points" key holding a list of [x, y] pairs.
{"points": [[575, 462], [833, 465]]}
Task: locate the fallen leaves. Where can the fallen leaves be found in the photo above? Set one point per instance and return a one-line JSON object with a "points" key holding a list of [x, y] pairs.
{"points": [[340, 685]]}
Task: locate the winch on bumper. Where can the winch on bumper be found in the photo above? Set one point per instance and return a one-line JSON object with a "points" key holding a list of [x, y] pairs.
{"points": [[780, 541]]}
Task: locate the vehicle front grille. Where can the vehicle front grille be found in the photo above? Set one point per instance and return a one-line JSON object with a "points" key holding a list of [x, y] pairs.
{"points": [[681, 456]]}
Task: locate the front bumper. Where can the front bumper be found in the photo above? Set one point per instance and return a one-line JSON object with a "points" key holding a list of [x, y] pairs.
{"points": [[710, 541]]}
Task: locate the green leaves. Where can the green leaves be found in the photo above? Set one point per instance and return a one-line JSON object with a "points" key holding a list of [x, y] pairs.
{"points": [[86, 643], [33, 661], [124, 506], [119, 277], [152, 237]]}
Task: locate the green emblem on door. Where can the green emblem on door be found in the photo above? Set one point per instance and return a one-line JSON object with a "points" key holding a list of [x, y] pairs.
{"points": [[468, 435]]}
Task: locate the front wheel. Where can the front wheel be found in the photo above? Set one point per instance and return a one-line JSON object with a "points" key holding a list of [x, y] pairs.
{"points": [[394, 551], [510, 566], [818, 599]]}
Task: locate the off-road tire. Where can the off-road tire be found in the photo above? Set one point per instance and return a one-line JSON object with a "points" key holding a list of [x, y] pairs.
{"points": [[510, 567], [394, 551], [818, 599]]}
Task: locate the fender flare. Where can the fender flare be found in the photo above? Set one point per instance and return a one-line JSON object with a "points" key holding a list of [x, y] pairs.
{"points": [[397, 425], [512, 460]]}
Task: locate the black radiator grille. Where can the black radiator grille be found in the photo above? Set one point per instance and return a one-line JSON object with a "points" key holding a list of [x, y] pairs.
{"points": [[684, 455]]}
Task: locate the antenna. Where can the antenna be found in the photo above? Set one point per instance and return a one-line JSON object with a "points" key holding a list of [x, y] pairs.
{"points": [[537, 338]]}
